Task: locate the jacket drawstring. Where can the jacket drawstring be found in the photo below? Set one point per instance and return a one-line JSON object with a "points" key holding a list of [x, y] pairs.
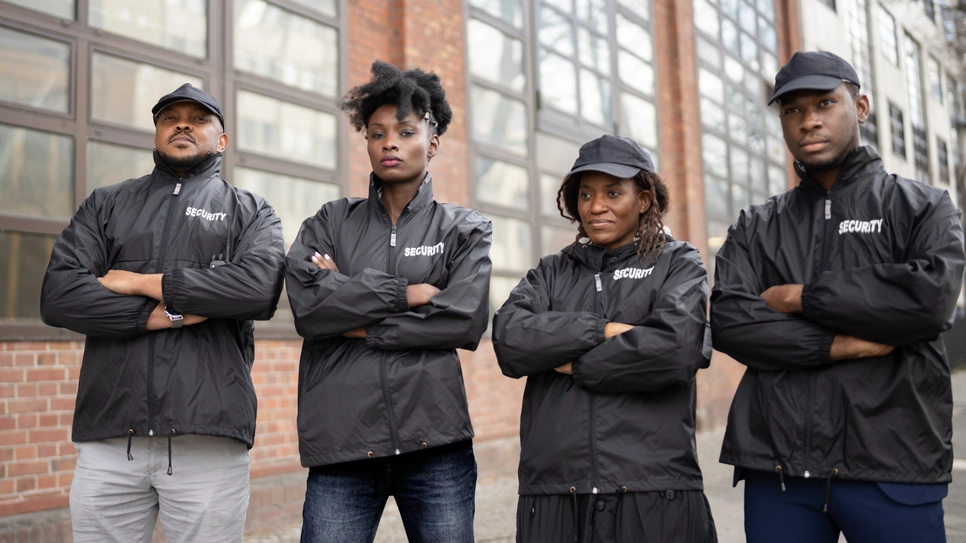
{"points": [[828, 488], [617, 510], [130, 435], [781, 477], [573, 501], [170, 471]]}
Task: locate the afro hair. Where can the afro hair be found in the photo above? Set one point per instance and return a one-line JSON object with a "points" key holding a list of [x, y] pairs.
{"points": [[409, 90]]}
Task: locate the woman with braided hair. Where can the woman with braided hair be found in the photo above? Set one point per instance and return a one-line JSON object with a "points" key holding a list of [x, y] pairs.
{"points": [[384, 290], [610, 332]]}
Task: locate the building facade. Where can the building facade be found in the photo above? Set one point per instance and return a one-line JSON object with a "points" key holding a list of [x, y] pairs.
{"points": [[528, 81]]}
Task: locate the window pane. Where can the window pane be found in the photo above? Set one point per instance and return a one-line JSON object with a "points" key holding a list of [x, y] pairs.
{"points": [[739, 166], [635, 72], [293, 198], [777, 180], [594, 98], [715, 154], [58, 8], [716, 196], [109, 164], [635, 38], [500, 288], [566, 6], [639, 121], [558, 82], [36, 173], [325, 7], [502, 183], [512, 246], [712, 115], [285, 130], [553, 239], [594, 51], [740, 198], [34, 71], [641, 8], [124, 91], [887, 35], [288, 48], [21, 274], [508, 10], [556, 32], [710, 85], [549, 185], [180, 25], [706, 18], [495, 56], [593, 13], [499, 120]]}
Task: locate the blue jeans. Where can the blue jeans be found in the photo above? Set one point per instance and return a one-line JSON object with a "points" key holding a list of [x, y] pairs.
{"points": [[866, 512], [435, 491]]}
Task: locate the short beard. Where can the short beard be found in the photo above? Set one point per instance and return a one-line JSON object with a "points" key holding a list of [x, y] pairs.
{"points": [[834, 162], [182, 164]]}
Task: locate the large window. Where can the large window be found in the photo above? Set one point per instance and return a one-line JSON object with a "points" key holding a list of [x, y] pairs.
{"points": [[917, 118], [888, 40], [64, 134], [898, 128], [538, 90], [741, 144], [857, 24]]}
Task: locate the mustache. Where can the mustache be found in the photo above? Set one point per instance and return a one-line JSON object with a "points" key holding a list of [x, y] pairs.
{"points": [[182, 134]]}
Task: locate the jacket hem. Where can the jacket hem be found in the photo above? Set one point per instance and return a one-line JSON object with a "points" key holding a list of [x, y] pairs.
{"points": [[339, 457], [248, 438], [885, 475], [585, 487]]}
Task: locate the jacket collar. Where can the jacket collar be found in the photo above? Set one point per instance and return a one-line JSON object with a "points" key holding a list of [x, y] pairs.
{"points": [[423, 198], [860, 162], [207, 167], [598, 258]]}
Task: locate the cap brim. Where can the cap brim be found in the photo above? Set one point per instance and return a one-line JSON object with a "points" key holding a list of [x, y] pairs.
{"points": [[162, 105], [621, 171], [816, 82]]}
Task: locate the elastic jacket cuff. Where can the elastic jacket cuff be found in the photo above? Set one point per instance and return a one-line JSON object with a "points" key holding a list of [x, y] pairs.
{"points": [[402, 301], [149, 306], [808, 300], [171, 283]]}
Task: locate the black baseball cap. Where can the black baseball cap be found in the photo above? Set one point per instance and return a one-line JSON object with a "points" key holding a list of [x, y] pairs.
{"points": [[614, 155], [813, 70], [188, 93]]}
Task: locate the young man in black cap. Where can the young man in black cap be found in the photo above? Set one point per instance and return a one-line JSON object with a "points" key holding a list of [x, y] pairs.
{"points": [[164, 275], [835, 295]]}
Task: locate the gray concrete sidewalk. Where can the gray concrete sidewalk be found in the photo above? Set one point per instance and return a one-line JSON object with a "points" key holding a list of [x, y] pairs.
{"points": [[496, 490]]}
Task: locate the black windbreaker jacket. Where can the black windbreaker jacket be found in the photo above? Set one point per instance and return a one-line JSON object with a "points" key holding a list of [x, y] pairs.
{"points": [[195, 380], [881, 258], [625, 418], [400, 389]]}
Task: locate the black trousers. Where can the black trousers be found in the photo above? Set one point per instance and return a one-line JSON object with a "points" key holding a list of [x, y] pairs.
{"points": [[670, 516]]}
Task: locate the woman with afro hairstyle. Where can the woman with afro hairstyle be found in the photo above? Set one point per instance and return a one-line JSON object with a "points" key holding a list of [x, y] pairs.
{"points": [[610, 332], [384, 290]]}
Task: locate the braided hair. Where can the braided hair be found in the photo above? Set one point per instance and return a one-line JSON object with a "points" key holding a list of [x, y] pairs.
{"points": [[650, 225], [412, 90]]}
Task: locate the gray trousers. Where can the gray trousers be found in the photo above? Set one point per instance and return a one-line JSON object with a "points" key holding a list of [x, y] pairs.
{"points": [[204, 499]]}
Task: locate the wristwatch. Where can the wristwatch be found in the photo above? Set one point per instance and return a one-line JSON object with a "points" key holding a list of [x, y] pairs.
{"points": [[176, 318]]}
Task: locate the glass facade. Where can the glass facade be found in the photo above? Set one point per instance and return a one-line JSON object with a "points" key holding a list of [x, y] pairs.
{"points": [[64, 134]]}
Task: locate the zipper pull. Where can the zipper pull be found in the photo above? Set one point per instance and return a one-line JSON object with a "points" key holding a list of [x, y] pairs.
{"points": [[177, 188], [600, 287], [828, 206], [392, 237]]}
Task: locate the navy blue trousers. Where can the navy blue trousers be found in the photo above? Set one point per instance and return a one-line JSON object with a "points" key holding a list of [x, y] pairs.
{"points": [[866, 512]]}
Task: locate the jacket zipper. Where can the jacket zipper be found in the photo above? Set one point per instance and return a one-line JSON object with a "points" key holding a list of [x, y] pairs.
{"points": [[159, 268], [811, 378], [383, 369], [590, 400]]}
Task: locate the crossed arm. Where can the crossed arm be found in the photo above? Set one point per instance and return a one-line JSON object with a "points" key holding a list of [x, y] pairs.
{"points": [[147, 285]]}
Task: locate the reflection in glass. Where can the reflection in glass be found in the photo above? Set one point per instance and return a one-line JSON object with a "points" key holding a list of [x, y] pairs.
{"points": [[636, 72], [508, 10], [594, 98], [553, 239], [716, 196], [293, 198], [558, 82], [746, 17], [512, 245], [325, 7], [502, 183], [729, 37], [749, 51], [715, 154], [549, 185], [286, 47], [635, 38], [34, 71], [25, 257], [593, 13], [499, 120], [124, 91], [739, 165], [594, 51], [110, 164], [494, 56], [706, 18], [556, 32], [639, 121], [712, 115], [63, 9], [180, 25], [287, 131], [36, 173]]}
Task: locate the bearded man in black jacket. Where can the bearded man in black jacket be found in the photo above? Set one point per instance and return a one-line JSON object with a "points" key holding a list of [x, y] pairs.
{"points": [[834, 295], [164, 275]]}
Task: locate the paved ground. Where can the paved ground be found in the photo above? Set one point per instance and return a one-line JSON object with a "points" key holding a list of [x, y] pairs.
{"points": [[496, 491]]}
